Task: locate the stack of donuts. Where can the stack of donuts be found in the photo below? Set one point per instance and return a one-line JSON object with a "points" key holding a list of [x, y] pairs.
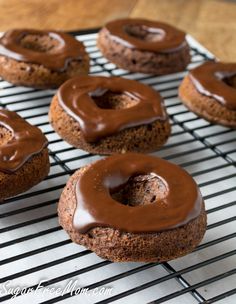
{"points": [[128, 206]]}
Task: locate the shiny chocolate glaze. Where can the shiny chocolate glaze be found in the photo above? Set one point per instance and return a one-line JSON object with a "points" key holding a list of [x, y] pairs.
{"points": [[76, 97], [210, 80], [26, 141], [168, 38], [96, 207], [57, 59]]}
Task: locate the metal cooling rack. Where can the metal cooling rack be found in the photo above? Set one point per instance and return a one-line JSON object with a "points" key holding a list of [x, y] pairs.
{"points": [[34, 247]]}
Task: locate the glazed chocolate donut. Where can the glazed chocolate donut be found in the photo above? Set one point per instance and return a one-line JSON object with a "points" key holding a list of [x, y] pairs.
{"points": [[210, 91], [133, 207], [144, 46], [107, 115], [24, 159], [41, 59]]}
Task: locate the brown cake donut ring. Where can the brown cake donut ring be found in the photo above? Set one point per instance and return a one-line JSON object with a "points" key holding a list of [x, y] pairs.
{"points": [[133, 207], [24, 159], [210, 91], [146, 46], [108, 115], [41, 59]]}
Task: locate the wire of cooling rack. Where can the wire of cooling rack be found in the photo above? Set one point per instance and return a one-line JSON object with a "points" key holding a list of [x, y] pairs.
{"points": [[33, 244]]}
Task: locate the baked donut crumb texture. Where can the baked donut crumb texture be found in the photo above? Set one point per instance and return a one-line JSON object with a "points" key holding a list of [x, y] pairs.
{"points": [[24, 159], [98, 117], [115, 244], [144, 46], [27, 58]]}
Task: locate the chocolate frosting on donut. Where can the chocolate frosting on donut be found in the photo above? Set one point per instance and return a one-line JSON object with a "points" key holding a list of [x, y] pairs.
{"points": [[26, 141], [75, 97], [57, 59], [96, 207], [208, 79], [171, 38]]}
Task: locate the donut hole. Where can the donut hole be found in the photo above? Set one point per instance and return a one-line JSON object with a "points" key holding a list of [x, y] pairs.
{"points": [[141, 190], [144, 33], [230, 81], [113, 101], [39, 43], [5, 136]]}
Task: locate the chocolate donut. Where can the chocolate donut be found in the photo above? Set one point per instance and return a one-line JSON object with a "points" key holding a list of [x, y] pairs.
{"points": [[210, 91], [145, 46], [107, 115], [24, 159], [133, 207], [41, 59]]}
